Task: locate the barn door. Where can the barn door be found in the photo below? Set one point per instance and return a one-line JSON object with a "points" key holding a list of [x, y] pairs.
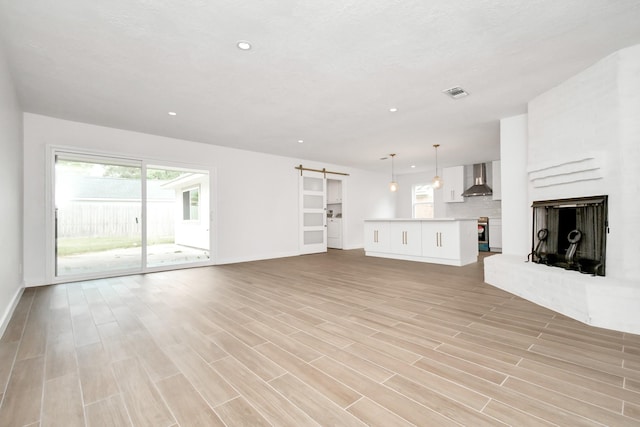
{"points": [[313, 214]]}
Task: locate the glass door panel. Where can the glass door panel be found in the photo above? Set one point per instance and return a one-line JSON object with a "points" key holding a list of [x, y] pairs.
{"points": [[98, 215], [177, 216]]}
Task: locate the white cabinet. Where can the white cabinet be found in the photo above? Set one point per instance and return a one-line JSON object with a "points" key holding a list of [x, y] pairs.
{"points": [[443, 241], [334, 233], [334, 191], [495, 234], [451, 242], [453, 184], [376, 236], [406, 237], [496, 180]]}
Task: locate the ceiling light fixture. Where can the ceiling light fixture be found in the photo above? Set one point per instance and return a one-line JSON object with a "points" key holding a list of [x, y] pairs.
{"points": [[243, 45], [393, 109], [437, 182], [173, 113], [393, 185], [413, 166], [300, 141]]}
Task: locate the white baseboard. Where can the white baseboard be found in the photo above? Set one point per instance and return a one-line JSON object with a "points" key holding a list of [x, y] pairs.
{"points": [[6, 316], [351, 247]]}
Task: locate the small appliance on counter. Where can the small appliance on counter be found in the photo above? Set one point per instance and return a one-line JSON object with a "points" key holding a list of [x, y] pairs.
{"points": [[334, 212], [483, 234]]}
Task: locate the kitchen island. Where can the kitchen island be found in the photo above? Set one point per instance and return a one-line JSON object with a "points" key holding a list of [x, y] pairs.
{"points": [[450, 241]]}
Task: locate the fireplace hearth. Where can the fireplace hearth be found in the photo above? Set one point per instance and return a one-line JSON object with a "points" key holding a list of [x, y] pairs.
{"points": [[571, 234]]}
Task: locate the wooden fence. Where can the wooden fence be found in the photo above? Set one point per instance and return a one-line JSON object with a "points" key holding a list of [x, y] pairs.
{"points": [[115, 219]]}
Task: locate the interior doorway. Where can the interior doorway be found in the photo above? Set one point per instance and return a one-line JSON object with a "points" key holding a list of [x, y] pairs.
{"points": [[335, 214]]}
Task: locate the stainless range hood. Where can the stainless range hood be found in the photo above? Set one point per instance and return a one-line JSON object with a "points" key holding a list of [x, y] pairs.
{"points": [[479, 188]]}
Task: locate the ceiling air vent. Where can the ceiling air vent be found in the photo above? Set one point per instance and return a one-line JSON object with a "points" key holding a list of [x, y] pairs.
{"points": [[456, 92]]}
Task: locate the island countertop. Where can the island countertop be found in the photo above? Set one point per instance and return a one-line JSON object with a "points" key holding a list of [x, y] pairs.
{"points": [[420, 219]]}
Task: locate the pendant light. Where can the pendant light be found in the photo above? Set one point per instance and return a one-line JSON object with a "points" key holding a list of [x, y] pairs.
{"points": [[393, 185], [437, 182]]}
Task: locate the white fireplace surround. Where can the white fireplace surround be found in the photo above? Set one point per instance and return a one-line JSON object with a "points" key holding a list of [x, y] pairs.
{"points": [[583, 168], [579, 139]]}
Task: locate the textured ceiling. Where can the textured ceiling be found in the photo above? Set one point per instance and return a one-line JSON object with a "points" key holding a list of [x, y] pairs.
{"points": [[324, 71]]}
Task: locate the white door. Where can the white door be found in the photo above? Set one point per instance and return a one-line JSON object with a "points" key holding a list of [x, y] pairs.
{"points": [[313, 214]]}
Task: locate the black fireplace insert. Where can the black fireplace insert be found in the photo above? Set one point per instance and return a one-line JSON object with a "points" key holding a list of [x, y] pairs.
{"points": [[571, 234]]}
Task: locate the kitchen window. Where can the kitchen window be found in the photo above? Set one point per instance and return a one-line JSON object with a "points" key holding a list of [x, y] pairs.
{"points": [[422, 196]]}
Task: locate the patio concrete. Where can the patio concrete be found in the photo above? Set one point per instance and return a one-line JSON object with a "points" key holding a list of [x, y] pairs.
{"points": [[129, 259]]}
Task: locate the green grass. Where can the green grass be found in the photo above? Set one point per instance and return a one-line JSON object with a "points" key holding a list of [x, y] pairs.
{"points": [[82, 245]]}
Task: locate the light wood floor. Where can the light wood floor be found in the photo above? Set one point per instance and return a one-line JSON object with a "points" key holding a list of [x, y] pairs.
{"points": [[332, 339]]}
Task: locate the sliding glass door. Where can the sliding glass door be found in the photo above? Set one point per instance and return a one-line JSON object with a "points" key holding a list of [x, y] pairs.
{"points": [[115, 216]]}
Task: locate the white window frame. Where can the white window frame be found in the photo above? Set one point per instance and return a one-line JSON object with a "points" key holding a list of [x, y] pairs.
{"points": [[53, 150], [415, 204]]}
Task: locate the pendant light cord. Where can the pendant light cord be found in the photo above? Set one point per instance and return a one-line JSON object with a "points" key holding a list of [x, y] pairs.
{"points": [[392, 174], [437, 182], [436, 145]]}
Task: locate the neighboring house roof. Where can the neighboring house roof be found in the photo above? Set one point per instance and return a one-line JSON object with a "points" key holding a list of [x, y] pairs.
{"points": [[184, 180], [116, 188]]}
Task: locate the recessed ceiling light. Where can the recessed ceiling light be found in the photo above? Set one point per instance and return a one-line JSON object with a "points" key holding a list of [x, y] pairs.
{"points": [[393, 109], [173, 113], [413, 166], [243, 45], [300, 141]]}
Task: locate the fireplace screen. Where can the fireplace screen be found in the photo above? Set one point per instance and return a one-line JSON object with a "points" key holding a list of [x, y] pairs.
{"points": [[571, 233]]}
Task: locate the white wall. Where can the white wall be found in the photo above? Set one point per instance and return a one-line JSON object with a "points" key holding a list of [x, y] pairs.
{"points": [[367, 195], [516, 229], [255, 195], [11, 190], [628, 163], [404, 206]]}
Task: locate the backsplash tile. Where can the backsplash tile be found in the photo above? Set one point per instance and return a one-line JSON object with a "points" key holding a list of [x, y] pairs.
{"points": [[474, 207]]}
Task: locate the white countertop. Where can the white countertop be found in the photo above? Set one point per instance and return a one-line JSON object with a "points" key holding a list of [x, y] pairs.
{"points": [[421, 219]]}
